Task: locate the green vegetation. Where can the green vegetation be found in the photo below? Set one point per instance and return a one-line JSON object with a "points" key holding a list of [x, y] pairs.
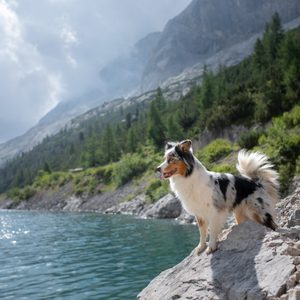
{"points": [[126, 142], [281, 142], [249, 139], [156, 189], [129, 167], [214, 151]]}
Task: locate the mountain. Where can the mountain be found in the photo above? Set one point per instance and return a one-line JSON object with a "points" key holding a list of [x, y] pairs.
{"points": [[123, 75], [50, 124], [207, 33], [207, 27]]}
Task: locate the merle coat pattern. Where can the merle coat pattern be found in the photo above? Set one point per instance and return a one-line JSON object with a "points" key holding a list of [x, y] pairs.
{"points": [[211, 196]]}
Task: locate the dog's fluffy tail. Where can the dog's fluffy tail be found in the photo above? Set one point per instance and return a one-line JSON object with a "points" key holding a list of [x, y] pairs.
{"points": [[257, 166]]}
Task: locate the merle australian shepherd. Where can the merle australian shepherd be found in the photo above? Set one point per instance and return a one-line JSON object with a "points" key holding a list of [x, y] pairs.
{"points": [[211, 196]]}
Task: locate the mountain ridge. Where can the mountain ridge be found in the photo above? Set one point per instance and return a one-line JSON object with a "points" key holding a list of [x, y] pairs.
{"points": [[174, 86], [206, 27]]}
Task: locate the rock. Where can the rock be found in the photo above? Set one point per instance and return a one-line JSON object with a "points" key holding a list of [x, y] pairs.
{"points": [[72, 204], [295, 293], [167, 207], [185, 218], [297, 260], [293, 251], [206, 28], [244, 267], [289, 208], [136, 207]]}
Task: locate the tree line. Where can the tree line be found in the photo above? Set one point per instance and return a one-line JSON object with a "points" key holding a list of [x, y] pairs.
{"points": [[262, 86]]}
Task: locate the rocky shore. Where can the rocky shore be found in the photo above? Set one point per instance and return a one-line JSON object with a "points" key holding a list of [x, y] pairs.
{"points": [[61, 199], [252, 262]]}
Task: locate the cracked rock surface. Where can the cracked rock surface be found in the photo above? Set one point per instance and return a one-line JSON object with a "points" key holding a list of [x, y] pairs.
{"points": [[252, 262]]}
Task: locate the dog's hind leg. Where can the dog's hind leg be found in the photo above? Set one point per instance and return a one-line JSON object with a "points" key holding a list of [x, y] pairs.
{"points": [[259, 210], [215, 226], [202, 225], [239, 214]]}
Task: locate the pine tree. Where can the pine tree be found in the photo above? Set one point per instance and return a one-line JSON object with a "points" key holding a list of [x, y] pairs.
{"points": [[273, 37], [174, 130], [132, 141], [46, 167], [290, 53], [128, 120], [259, 55], [109, 148], [207, 96], [160, 101], [156, 128]]}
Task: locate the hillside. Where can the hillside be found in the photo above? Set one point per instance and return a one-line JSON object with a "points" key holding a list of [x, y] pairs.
{"points": [[205, 28], [251, 263], [261, 93], [173, 58]]}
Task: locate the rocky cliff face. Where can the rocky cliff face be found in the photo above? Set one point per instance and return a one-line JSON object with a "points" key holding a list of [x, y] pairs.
{"points": [[252, 262], [207, 32], [207, 27], [122, 76]]}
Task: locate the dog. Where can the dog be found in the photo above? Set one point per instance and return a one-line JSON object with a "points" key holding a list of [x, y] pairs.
{"points": [[211, 196]]}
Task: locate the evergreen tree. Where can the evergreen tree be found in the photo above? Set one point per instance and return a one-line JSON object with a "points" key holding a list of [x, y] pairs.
{"points": [[128, 120], [132, 141], [81, 136], [259, 55], [156, 128], [174, 130], [160, 101], [110, 150], [207, 96], [46, 167], [290, 53], [273, 37]]}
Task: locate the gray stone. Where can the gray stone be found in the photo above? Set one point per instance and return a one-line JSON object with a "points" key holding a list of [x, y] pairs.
{"points": [[73, 204], [206, 28], [167, 207], [136, 207], [295, 293], [185, 218], [244, 267]]}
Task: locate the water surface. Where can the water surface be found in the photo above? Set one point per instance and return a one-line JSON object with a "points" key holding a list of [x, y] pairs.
{"points": [[85, 256]]}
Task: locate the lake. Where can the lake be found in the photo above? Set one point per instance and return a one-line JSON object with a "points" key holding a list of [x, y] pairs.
{"points": [[86, 256]]}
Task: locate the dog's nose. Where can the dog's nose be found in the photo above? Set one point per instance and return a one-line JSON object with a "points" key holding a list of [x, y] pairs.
{"points": [[158, 169]]}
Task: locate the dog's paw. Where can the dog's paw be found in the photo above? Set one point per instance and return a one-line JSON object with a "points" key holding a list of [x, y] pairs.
{"points": [[210, 249], [200, 248]]}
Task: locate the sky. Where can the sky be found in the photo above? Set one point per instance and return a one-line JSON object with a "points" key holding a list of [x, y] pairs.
{"points": [[53, 50]]}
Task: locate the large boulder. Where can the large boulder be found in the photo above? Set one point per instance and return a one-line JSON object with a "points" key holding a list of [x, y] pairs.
{"points": [[168, 207], [252, 262], [136, 207], [289, 209]]}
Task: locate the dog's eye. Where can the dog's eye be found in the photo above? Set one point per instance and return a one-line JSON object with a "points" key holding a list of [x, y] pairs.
{"points": [[171, 160]]}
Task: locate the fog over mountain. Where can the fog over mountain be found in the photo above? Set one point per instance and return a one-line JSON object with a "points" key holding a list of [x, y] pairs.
{"points": [[75, 55], [53, 50]]}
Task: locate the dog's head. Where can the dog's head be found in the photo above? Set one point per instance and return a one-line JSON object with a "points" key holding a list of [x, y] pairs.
{"points": [[179, 160]]}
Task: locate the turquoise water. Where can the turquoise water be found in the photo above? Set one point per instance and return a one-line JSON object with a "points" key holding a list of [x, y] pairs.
{"points": [[85, 256]]}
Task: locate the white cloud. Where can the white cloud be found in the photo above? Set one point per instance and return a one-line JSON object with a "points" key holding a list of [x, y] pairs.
{"points": [[28, 89], [68, 36], [52, 50]]}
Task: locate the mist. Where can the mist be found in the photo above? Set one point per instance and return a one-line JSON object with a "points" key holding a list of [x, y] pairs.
{"points": [[53, 51]]}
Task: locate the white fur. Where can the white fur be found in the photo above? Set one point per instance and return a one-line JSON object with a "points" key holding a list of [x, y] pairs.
{"points": [[201, 195], [257, 165], [196, 198]]}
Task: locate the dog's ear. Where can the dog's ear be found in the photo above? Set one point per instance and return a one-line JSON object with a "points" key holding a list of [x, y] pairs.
{"points": [[186, 146], [169, 145]]}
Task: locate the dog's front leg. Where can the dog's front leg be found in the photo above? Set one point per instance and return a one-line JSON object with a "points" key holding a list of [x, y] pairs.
{"points": [[215, 226], [202, 225]]}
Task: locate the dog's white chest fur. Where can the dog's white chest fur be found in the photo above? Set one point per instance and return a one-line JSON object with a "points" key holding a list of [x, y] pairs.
{"points": [[194, 194]]}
